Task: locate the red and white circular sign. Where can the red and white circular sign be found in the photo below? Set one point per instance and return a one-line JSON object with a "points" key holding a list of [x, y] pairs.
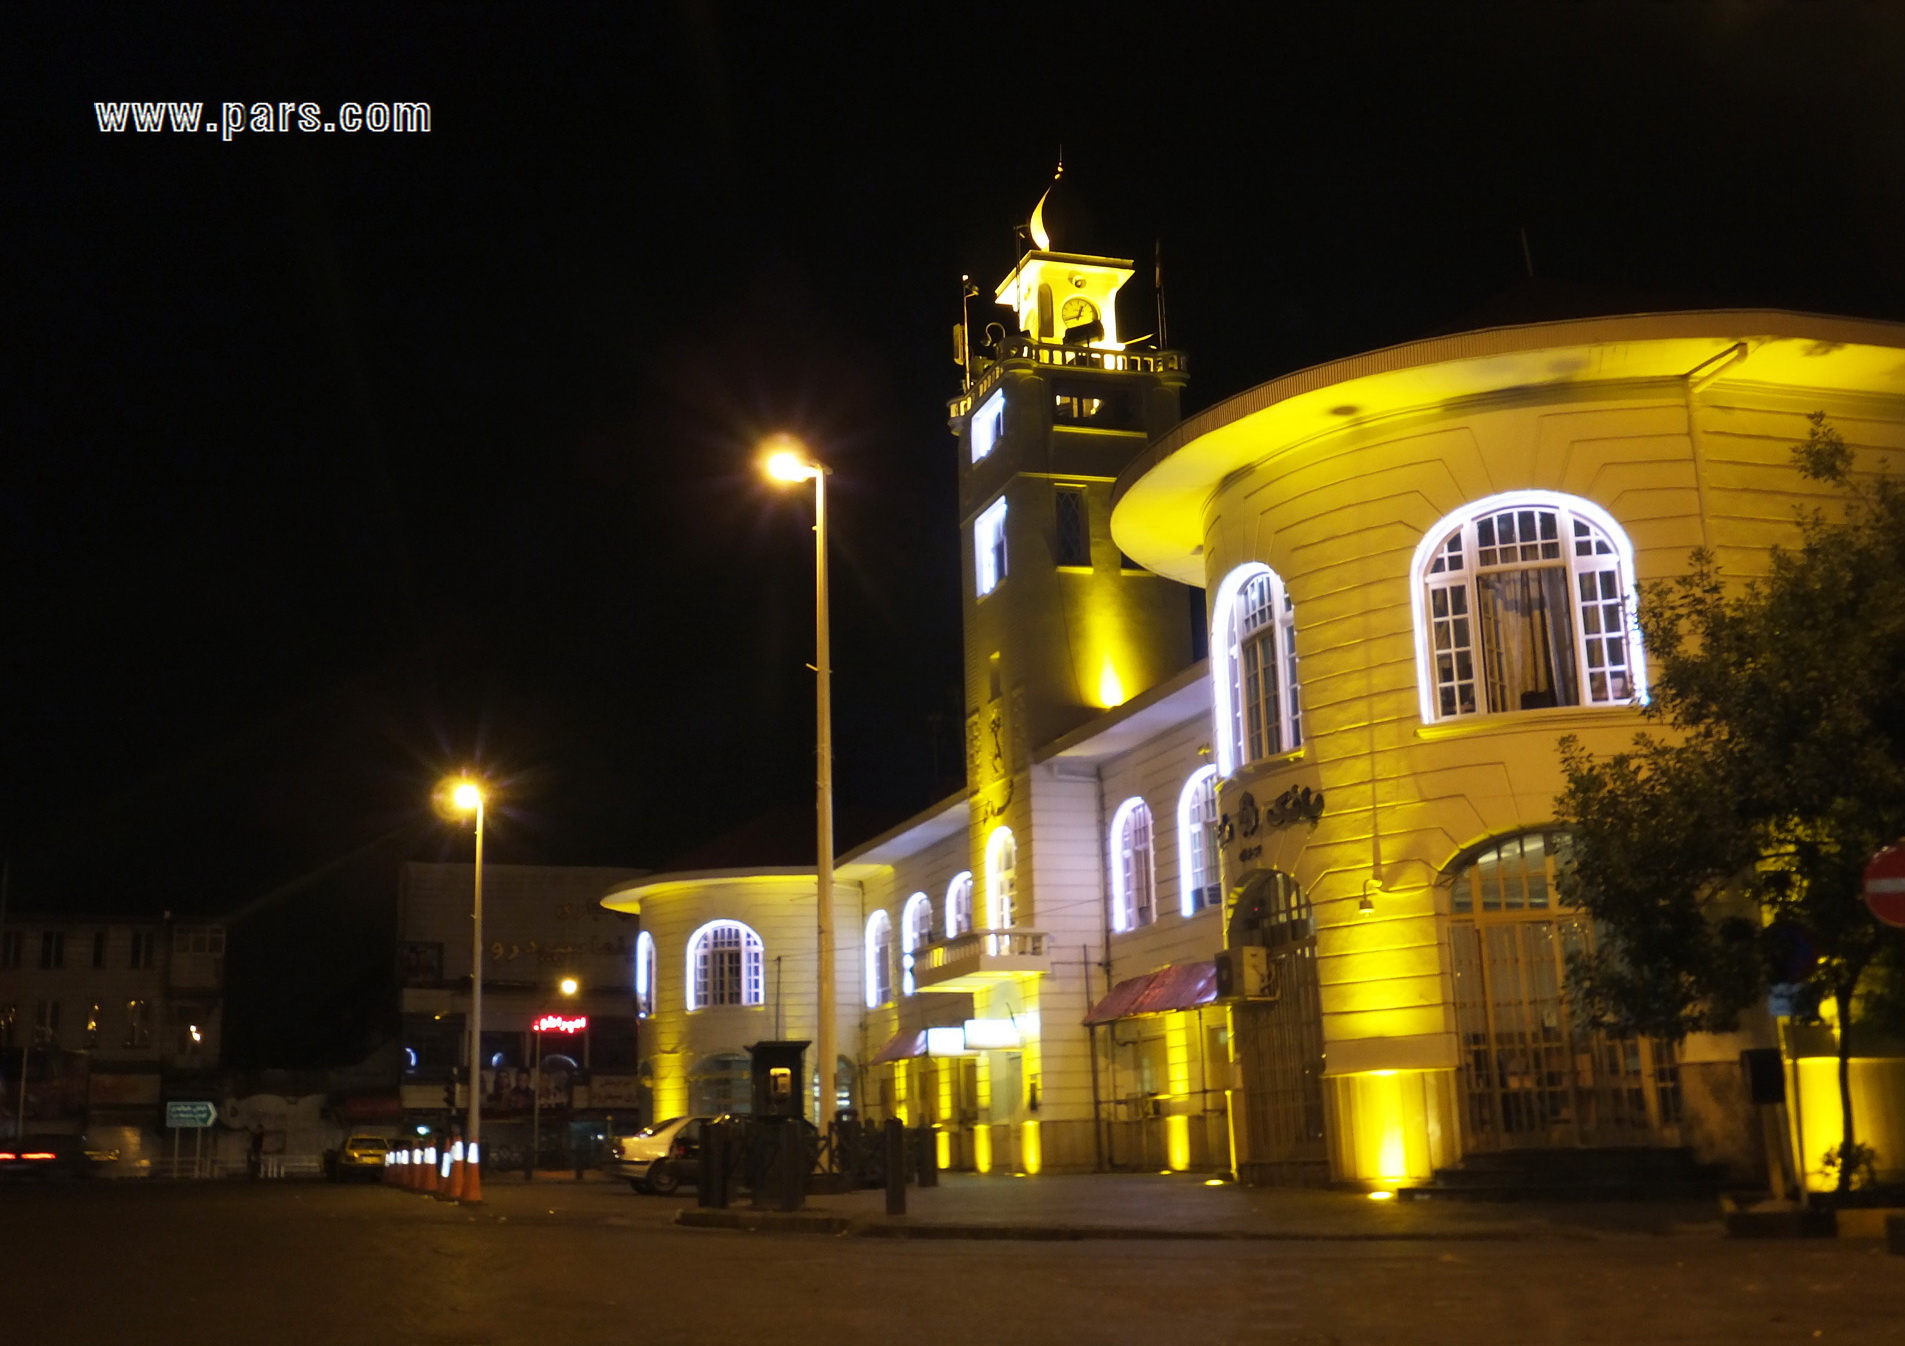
{"points": [[1885, 885]]}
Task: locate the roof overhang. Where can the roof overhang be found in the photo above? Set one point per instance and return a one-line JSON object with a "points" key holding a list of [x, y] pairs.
{"points": [[1160, 501]]}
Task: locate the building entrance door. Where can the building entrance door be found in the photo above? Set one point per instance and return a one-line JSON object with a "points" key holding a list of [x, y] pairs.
{"points": [[1534, 1073], [1278, 1038]]}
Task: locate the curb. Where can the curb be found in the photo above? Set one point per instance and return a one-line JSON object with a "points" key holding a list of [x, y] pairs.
{"points": [[816, 1222], [772, 1221]]}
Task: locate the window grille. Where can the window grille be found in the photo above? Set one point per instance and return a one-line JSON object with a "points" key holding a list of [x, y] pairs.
{"points": [[959, 904], [1073, 518], [725, 960], [1133, 871], [1197, 842]]}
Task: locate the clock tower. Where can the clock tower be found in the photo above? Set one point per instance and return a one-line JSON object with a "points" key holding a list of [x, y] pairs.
{"points": [[1059, 625]]}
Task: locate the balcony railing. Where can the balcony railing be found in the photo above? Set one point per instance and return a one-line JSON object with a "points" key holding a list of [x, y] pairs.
{"points": [[981, 957], [1016, 350]]}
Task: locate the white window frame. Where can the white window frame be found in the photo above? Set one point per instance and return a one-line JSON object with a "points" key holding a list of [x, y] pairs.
{"points": [[1606, 561], [989, 561], [1199, 876], [959, 904], [1002, 879], [646, 966], [916, 932], [987, 421], [879, 959], [1278, 728], [750, 977], [1134, 868]]}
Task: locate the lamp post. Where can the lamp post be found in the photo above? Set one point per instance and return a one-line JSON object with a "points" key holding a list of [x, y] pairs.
{"points": [[788, 460], [466, 796], [568, 986]]}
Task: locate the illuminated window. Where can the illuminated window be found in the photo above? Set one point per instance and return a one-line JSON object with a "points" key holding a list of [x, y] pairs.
{"points": [[988, 548], [1133, 871], [1072, 519], [1524, 603], [879, 956], [985, 425], [1254, 684], [645, 970], [959, 904], [724, 965], [1513, 875], [1002, 879], [1198, 882], [916, 932], [92, 1026]]}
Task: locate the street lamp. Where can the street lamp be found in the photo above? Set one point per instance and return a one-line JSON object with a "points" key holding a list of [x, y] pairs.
{"points": [[466, 796], [786, 459], [568, 986]]}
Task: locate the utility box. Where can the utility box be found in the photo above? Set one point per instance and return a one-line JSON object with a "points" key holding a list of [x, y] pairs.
{"points": [[1246, 973], [779, 1079]]}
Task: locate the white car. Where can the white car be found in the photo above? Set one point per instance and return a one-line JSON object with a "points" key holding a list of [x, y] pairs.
{"points": [[658, 1158]]}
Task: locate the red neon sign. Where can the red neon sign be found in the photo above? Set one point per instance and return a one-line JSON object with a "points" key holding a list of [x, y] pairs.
{"points": [[561, 1023]]}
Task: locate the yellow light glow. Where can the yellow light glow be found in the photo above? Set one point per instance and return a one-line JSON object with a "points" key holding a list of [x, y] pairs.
{"points": [[466, 796], [982, 1150], [786, 459], [1177, 1141], [1213, 1182], [569, 985], [1110, 686], [1382, 1196], [1030, 1153], [942, 1144]]}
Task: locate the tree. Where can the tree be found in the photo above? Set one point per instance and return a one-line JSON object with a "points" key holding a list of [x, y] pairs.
{"points": [[1725, 855]]}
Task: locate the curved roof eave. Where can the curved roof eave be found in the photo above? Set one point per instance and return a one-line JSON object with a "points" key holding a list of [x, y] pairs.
{"points": [[1159, 501]]}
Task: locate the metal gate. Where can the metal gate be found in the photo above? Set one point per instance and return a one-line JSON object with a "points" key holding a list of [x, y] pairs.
{"points": [[1278, 1040], [1535, 1075]]}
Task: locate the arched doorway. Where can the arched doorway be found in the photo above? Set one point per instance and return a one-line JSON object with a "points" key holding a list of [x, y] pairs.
{"points": [[1279, 1036], [1534, 1072]]}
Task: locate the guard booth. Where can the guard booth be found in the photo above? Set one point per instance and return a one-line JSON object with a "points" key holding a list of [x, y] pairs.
{"points": [[777, 1073], [780, 1151]]}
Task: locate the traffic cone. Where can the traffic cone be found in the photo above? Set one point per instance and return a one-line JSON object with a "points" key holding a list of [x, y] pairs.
{"points": [[427, 1180], [472, 1176], [454, 1191], [440, 1188]]}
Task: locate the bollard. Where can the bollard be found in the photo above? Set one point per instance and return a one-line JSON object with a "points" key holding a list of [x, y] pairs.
{"points": [[895, 1166]]}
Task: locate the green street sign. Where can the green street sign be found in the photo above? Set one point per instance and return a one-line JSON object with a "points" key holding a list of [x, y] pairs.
{"points": [[188, 1115]]}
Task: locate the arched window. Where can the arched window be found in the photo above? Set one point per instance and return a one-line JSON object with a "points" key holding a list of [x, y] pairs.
{"points": [[645, 973], [1253, 679], [916, 932], [1523, 601], [879, 954], [724, 966], [1133, 867], [1197, 875], [1002, 879], [959, 904]]}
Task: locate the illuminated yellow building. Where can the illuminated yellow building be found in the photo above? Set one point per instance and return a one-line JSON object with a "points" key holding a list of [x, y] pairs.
{"points": [[1254, 869], [1438, 545]]}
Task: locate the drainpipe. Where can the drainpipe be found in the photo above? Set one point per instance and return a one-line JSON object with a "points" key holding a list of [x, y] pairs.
{"points": [[1695, 379]]}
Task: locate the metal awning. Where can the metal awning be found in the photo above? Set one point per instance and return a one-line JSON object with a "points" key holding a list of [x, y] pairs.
{"points": [[1181, 986]]}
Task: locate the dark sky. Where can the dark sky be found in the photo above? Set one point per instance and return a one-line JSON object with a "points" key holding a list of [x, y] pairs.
{"points": [[331, 462]]}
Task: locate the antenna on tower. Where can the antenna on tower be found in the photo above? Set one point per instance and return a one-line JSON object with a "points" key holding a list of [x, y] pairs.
{"points": [[1157, 282]]}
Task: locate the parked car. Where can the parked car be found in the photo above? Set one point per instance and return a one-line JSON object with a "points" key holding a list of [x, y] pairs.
{"points": [[45, 1157], [361, 1157], [657, 1158]]}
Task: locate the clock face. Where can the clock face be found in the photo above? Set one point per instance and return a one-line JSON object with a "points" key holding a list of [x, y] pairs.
{"points": [[1078, 310]]}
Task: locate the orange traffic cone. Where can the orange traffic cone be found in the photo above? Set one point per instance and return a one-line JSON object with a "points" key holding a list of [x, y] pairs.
{"points": [[472, 1176], [454, 1190]]}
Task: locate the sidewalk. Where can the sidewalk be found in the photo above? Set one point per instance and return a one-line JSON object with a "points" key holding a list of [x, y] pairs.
{"points": [[1184, 1206]]}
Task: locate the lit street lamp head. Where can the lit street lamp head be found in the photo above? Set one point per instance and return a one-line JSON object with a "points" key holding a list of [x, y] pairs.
{"points": [[466, 795], [786, 459], [569, 986]]}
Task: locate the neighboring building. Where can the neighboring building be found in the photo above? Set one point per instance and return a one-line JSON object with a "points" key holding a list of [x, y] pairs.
{"points": [[540, 925], [1289, 909], [112, 1015]]}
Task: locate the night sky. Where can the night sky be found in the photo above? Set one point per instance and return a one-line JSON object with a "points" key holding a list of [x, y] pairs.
{"points": [[334, 462]]}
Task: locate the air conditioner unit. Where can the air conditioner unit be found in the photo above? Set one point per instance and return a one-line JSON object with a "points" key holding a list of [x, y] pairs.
{"points": [[1246, 973]]}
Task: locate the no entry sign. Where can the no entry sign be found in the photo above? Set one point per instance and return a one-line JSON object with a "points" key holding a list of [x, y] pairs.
{"points": [[1885, 885]]}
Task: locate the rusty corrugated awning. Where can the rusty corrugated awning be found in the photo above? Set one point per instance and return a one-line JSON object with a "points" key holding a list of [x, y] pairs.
{"points": [[1181, 986], [904, 1046]]}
